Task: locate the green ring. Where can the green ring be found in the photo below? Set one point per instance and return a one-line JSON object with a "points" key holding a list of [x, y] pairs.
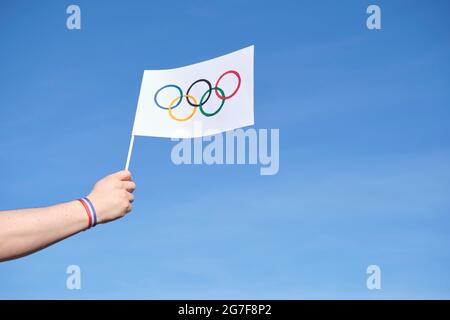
{"points": [[203, 97]]}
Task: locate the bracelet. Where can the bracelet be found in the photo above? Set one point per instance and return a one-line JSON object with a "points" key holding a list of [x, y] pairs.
{"points": [[90, 210]]}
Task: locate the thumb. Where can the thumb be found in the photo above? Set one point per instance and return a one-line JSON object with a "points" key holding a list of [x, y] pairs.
{"points": [[123, 175]]}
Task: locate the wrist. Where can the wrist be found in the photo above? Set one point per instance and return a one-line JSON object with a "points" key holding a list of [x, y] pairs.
{"points": [[98, 208], [79, 215], [90, 211]]}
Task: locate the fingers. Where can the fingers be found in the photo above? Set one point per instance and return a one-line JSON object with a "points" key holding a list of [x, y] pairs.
{"points": [[130, 197], [129, 208], [123, 175], [128, 185]]}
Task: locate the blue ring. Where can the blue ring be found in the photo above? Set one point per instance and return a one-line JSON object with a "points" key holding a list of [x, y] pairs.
{"points": [[169, 86], [94, 213]]}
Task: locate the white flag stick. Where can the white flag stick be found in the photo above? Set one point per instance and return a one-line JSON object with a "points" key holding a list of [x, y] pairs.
{"points": [[130, 148]]}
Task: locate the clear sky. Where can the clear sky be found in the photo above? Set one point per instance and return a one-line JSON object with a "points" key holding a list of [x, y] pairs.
{"points": [[364, 149]]}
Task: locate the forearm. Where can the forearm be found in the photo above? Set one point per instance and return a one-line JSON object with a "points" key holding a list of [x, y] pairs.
{"points": [[28, 230], [25, 231]]}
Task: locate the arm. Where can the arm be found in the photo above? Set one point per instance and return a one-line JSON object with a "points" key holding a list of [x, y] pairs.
{"points": [[25, 231]]}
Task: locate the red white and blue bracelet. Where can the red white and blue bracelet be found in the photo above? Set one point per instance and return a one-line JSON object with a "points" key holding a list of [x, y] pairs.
{"points": [[90, 210]]}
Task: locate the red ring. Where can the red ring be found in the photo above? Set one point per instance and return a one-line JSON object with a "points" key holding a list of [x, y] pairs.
{"points": [[234, 92], [87, 211]]}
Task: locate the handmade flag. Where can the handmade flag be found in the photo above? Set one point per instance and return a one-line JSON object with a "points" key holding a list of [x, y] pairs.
{"points": [[201, 99]]}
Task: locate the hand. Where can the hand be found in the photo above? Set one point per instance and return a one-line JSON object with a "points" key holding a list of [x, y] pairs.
{"points": [[112, 196]]}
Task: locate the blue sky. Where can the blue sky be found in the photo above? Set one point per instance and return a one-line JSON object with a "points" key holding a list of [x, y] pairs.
{"points": [[364, 151]]}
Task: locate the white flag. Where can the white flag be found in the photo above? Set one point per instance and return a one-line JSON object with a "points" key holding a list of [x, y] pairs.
{"points": [[197, 100]]}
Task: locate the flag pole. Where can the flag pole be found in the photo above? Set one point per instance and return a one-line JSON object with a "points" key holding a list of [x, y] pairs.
{"points": [[130, 148]]}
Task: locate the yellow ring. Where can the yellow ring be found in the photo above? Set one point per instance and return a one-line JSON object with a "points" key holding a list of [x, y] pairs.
{"points": [[175, 100]]}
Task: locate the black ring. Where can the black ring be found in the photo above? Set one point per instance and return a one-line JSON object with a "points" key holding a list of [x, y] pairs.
{"points": [[209, 88]]}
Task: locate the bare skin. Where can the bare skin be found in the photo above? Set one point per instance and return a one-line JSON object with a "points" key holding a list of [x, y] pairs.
{"points": [[25, 231]]}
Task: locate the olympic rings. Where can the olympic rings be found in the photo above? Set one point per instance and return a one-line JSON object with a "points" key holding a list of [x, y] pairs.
{"points": [[223, 97], [168, 86], [209, 90], [181, 98], [201, 102], [205, 97]]}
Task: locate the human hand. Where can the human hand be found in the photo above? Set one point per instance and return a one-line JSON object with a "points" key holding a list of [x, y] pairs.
{"points": [[112, 196]]}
